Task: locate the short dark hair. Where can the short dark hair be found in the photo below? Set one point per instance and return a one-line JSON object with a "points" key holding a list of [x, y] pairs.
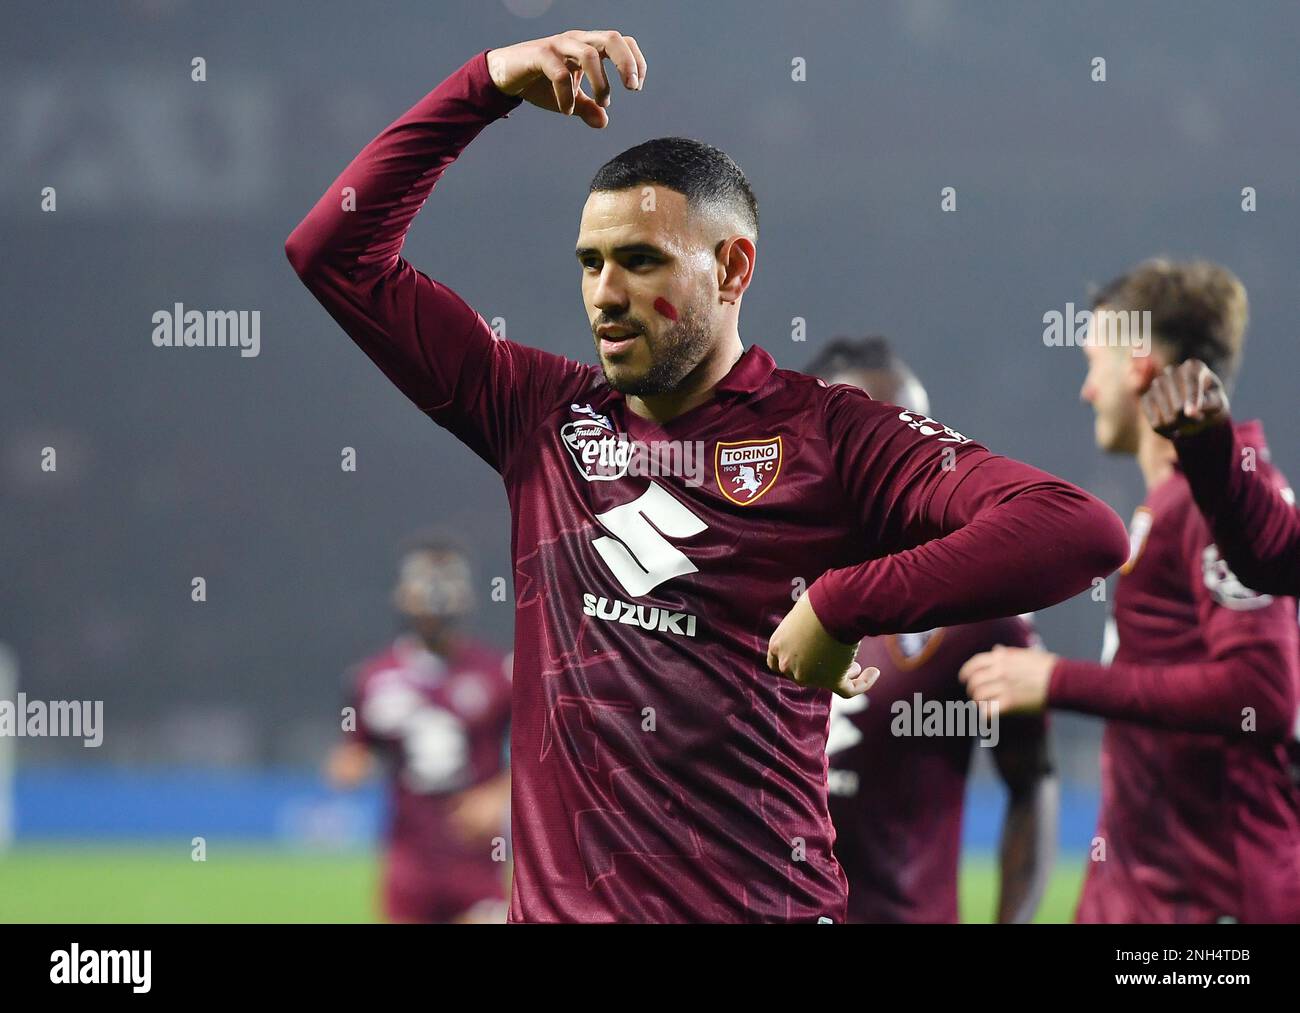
{"points": [[842, 355], [706, 176], [1198, 309]]}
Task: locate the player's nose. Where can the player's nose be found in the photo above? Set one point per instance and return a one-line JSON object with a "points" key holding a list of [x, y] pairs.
{"points": [[610, 292]]}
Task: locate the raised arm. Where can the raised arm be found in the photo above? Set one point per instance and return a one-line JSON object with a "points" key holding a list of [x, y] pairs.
{"points": [[437, 350], [1255, 527]]}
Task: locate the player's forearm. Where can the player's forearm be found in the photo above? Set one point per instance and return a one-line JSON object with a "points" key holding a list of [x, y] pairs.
{"points": [[1028, 848], [1257, 531], [1252, 693], [358, 226], [1026, 542]]}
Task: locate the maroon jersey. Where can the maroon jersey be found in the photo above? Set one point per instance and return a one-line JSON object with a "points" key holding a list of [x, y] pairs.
{"points": [[1254, 520], [896, 796], [1200, 812], [660, 771], [440, 723]]}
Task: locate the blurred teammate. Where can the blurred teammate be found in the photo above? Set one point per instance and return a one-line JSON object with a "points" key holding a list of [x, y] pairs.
{"points": [[668, 741], [1200, 814], [434, 707], [1256, 525], [896, 799]]}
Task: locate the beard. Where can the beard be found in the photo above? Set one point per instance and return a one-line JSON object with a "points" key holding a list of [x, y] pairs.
{"points": [[678, 351]]}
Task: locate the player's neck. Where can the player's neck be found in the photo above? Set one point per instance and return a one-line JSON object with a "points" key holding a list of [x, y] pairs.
{"points": [[1155, 456], [440, 644], [695, 389]]}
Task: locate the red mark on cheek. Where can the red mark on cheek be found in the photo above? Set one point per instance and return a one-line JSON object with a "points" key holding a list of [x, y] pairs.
{"points": [[665, 309]]}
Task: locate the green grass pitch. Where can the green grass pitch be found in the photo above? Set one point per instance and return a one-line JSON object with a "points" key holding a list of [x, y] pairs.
{"points": [[151, 883]]}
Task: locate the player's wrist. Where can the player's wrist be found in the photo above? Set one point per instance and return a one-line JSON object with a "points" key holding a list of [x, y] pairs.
{"points": [[1217, 423], [820, 603], [1057, 677], [496, 65]]}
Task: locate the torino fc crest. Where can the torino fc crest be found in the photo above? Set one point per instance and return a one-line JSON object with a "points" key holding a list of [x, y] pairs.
{"points": [[746, 469]]}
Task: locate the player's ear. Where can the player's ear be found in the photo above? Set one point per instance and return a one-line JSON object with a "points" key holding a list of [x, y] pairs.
{"points": [[1142, 369], [735, 267]]}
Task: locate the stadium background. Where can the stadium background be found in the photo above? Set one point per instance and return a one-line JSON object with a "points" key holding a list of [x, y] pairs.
{"points": [[202, 463]]}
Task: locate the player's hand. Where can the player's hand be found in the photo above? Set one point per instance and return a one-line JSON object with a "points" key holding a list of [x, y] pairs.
{"points": [[1015, 678], [479, 813], [802, 649], [1185, 399], [348, 765], [548, 72]]}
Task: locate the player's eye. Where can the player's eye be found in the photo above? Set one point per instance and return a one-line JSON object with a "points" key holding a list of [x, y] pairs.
{"points": [[636, 261], [590, 263]]}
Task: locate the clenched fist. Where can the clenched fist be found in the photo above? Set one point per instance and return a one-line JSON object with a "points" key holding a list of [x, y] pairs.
{"points": [[1185, 399], [548, 72], [802, 649]]}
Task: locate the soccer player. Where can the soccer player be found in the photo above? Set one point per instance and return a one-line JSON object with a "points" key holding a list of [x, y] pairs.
{"points": [[1200, 813], [434, 707], [1255, 524], [896, 798], [667, 506]]}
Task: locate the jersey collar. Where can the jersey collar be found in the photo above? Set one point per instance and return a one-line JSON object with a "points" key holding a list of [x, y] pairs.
{"points": [[749, 373]]}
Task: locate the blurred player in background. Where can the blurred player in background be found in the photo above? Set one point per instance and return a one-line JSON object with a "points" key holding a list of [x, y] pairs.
{"points": [[897, 800], [434, 708], [1255, 523], [1200, 812]]}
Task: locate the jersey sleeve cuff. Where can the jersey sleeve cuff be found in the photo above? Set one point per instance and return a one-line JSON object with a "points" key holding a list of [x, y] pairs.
{"points": [[483, 92], [1068, 688], [827, 604]]}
